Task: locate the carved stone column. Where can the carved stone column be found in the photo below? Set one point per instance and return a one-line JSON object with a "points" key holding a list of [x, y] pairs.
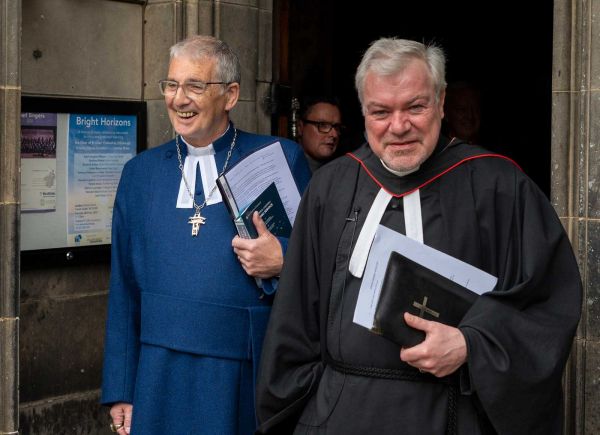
{"points": [[10, 121], [576, 190]]}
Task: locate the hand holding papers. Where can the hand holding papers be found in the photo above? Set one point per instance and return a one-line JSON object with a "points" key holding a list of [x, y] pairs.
{"points": [[262, 181], [416, 271]]}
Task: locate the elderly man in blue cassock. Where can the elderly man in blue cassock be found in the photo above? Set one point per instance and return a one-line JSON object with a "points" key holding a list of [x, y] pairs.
{"points": [[185, 317]]}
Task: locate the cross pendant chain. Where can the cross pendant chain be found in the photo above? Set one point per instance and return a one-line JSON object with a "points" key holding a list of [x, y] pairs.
{"points": [[196, 221]]}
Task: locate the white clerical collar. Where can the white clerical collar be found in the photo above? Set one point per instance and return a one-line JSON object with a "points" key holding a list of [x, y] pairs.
{"points": [[199, 151], [399, 173], [205, 150], [205, 158]]}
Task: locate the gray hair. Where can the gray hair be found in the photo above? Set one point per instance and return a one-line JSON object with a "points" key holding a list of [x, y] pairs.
{"points": [[388, 56], [200, 47]]}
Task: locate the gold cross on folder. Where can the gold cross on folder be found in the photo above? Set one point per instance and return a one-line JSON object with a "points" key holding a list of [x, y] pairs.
{"points": [[425, 309]]}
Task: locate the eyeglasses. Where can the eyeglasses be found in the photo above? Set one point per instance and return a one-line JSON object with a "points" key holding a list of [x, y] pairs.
{"points": [[325, 127], [190, 89]]}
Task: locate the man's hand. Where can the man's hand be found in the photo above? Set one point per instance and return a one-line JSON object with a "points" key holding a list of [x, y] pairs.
{"points": [[261, 257], [120, 413], [443, 351]]}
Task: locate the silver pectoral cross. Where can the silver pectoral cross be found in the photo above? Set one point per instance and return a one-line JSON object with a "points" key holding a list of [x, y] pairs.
{"points": [[196, 221]]}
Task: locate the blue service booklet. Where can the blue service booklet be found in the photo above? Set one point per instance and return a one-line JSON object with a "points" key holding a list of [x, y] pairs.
{"points": [[244, 181], [270, 208]]}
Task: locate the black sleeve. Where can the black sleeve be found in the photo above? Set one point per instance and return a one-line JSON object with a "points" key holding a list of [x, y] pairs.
{"points": [[519, 336], [291, 364]]}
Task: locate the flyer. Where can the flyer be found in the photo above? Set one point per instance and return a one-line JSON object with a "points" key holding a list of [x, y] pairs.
{"points": [[98, 148]]}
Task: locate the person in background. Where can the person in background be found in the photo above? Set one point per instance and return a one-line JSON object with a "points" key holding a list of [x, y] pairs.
{"points": [[185, 317], [498, 371], [462, 110], [319, 129]]}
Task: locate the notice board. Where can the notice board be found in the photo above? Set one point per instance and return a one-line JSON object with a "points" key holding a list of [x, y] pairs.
{"points": [[72, 155]]}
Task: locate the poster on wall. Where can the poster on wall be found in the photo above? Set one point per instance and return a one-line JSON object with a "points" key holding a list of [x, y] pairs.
{"points": [[72, 155], [99, 147], [38, 162]]}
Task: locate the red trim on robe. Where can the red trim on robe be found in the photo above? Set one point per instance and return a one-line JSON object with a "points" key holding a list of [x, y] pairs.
{"points": [[435, 177]]}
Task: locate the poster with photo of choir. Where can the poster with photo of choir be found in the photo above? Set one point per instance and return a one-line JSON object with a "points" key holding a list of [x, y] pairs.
{"points": [[38, 162]]}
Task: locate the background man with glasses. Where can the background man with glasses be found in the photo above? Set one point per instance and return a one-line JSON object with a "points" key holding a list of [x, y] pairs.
{"points": [[319, 129], [185, 317]]}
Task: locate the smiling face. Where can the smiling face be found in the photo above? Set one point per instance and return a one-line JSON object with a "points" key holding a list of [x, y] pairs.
{"points": [[202, 118], [320, 146], [402, 116]]}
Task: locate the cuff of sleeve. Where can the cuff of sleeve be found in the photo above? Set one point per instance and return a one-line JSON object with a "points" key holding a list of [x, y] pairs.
{"points": [[283, 241], [269, 286], [464, 374]]}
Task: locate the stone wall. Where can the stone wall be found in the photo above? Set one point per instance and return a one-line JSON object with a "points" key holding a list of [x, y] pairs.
{"points": [[576, 190], [116, 50]]}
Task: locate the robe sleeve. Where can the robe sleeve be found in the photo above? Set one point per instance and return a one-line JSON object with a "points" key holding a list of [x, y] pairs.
{"points": [[121, 344], [519, 336], [291, 364]]}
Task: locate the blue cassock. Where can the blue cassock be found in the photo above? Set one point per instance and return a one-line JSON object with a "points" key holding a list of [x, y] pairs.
{"points": [[185, 323]]}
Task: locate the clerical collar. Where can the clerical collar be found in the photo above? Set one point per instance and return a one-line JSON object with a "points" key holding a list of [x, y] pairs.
{"points": [[199, 151], [399, 173], [207, 150]]}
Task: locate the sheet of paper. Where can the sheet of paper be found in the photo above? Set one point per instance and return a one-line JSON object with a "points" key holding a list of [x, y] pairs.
{"points": [[252, 175], [386, 241]]}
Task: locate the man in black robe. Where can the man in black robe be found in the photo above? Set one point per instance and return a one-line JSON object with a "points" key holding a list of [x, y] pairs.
{"points": [[498, 371]]}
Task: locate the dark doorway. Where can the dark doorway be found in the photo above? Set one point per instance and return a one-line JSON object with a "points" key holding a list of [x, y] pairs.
{"points": [[504, 49]]}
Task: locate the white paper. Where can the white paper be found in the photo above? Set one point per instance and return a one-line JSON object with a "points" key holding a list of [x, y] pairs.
{"points": [[386, 241], [252, 175], [38, 184]]}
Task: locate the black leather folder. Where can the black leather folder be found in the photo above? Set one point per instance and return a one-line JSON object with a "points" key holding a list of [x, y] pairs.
{"points": [[411, 287]]}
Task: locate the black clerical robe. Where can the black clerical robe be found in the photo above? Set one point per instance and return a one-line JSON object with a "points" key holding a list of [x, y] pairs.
{"points": [[484, 211]]}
